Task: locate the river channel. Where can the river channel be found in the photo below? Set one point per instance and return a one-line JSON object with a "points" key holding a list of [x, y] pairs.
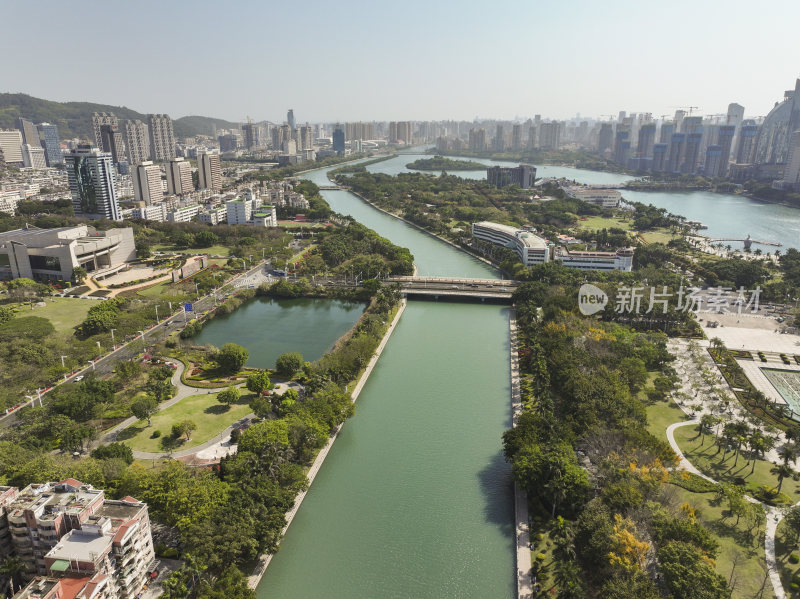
{"points": [[414, 499]]}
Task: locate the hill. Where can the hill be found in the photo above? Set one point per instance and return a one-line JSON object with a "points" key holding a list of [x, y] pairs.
{"points": [[74, 119]]}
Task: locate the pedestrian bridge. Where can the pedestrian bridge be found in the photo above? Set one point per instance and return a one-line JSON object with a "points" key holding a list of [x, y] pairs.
{"points": [[451, 288]]}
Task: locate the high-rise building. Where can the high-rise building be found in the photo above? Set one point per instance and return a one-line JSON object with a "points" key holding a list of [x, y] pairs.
{"points": [[138, 136], [499, 142], [516, 137], [112, 142], [523, 175], [11, 146], [550, 135], [30, 135], [33, 157], [746, 147], [692, 124], [306, 137], [713, 160], [791, 174], [605, 138], [477, 140], [677, 148], [99, 119], [251, 135], [735, 115], [290, 119], [52, 147], [622, 146], [401, 131], [667, 129], [162, 139], [179, 177], [725, 137], [91, 181], [647, 137], [692, 154], [531, 142], [659, 157], [209, 171], [228, 142], [277, 138], [338, 139], [146, 179]]}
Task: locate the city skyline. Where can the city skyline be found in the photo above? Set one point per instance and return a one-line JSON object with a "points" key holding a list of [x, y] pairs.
{"points": [[417, 61]]}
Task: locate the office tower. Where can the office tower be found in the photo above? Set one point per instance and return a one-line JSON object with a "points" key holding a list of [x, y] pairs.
{"points": [[29, 133], [112, 143], [306, 137], [647, 137], [677, 147], [11, 146], [605, 138], [99, 119], [713, 161], [146, 179], [622, 146], [162, 139], [791, 174], [251, 134], [338, 139], [286, 134], [91, 181], [179, 177], [692, 153], [290, 119], [33, 157], [209, 171], [477, 140], [138, 135], [48, 135], [550, 135], [659, 157], [745, 150], [725, 137]]}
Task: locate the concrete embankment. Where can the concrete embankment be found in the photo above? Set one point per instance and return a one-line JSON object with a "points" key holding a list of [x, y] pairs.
{"points": [[264, 560], [521, 526]]}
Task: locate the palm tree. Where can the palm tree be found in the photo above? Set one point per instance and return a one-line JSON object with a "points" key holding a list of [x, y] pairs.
{"points": [[707, 422], [782, 471], [13, 568]]}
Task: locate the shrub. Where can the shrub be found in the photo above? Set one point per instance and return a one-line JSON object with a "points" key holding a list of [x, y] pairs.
{"points": [[540, 557], [794, 558], [235, 434], [155, 434], [691, 482], [170, 552]]}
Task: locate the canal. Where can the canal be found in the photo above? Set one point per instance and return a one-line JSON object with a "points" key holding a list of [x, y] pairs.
{"points": [[414, 499]]}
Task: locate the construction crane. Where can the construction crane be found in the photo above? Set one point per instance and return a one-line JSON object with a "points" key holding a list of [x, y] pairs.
{"points": [[690, 108], [610, 116]]}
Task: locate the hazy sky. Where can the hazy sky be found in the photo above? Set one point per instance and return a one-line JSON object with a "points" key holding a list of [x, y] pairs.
{"points": [[403, 59]]}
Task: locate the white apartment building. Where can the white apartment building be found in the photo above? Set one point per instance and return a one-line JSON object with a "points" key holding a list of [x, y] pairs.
{"points": [[33, 157], [11, 146], [183, 215], [239, 211], [138, 138], [9, 201], [146, 179], [154, 212], [162, 139], [622, 260], [209, 170], [213, 215], [179, 177], [265, 216]]}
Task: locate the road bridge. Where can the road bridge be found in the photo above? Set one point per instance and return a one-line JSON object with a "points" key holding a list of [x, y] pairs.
{"points": [[456, 288]]}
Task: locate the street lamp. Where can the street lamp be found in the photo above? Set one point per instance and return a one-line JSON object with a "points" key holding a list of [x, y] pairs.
{"points": [[141, 333], [92, 363], [114, 343], [156, 313]]}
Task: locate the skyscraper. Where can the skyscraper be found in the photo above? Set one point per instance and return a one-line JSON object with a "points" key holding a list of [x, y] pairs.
{"points": [[30, 135], [622, 146], [791, 174], [746, 148], [605, 138], [477, 140], [162, 139], [306, 137], [516, 136], [667, 129], [209, 171], [33, 157], [713, 160], [99, 119], [112, 142], [692, 153], [677, 147], [659, 157], [290, 118], [146, 178], [725, 142], [179, 177], [499, 141], [338, 139], [52, 148], [91, 181], [647, 137], [138, 138], [550, 135], [251, 135]]}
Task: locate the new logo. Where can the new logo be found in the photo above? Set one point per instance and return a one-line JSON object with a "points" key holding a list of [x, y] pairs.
{"points": [[591, 299]]}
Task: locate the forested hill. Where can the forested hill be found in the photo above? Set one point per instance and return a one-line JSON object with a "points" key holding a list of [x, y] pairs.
{"points": [[74, 119]]}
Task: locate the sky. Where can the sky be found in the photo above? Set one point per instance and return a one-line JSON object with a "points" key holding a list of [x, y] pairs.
{"points": [[348, 60]]}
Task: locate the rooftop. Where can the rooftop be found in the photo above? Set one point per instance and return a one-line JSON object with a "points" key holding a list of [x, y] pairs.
{"points": [[81, 545]]}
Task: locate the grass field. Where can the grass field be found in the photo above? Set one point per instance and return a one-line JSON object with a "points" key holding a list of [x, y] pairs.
{"points": [[704, 456], [219, 250], [210, 416], [65, 313], [661, 235], [750, 568], [600, 222], [784, 547], [660, 415]]}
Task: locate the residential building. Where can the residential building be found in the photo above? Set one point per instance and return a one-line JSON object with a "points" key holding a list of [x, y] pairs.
{"points": [[550, 136], [621, 259], [146, 178], [183, 215], [138, 138], [499, 141], [659, 157], [162, 138], [91, 181], [691, 156], [52, 148], [530, 248], [516, 137], [477, 140], [98, 120], [239, 211], [677, 148], [112, 142], [9, 202], [265, 216], [725, 138], [647, 137], [228, 142], [251, 135], [7, 496], [179, 177], [605, 137], [746, 147], [33, 157], [213, 215], [523, 175], [154, 212], [11, 146], [209, 170], [29, 133], [791, 174], [665, 134], [713, 160], [338, 140], [306, 137], [53, 254], [622, 146]]}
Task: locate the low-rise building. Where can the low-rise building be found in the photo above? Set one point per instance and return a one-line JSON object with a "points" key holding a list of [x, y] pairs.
{"points": [[154, 212], [184, 214], [523, 175], [530, 248], [622, 259], [213, 215], [607, 198]]}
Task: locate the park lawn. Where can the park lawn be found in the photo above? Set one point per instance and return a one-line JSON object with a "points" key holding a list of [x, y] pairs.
{"points": [[661, 235], [219, 250], [706, 459], [601, 222], [660, 415], [784, 547], [156, 290], [65, 313], [749, 575], [299, 255], [210, 416]]}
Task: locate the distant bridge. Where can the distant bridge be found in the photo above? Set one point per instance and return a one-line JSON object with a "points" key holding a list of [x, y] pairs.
{"points": [[456, 288], [328, 187], [747, 241]]}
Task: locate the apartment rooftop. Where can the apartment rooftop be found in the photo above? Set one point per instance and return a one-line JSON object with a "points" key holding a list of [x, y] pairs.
{"points": [[79, 545], [48, 500]]}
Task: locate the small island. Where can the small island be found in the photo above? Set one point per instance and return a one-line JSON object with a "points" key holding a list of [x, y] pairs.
{"points": [[440, 163]]}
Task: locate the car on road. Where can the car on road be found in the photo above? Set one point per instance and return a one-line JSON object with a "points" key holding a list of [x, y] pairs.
{"points": [[79, 378]]}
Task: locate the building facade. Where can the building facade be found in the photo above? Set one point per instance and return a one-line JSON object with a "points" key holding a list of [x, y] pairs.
{"points": [[209, 171], [91, 182], [146, 179], [523, 175], [98, 120], [162, 138], [179, 177], [138, 137], [11, 146], [52, 147]]}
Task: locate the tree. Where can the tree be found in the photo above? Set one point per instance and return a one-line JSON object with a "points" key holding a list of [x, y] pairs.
{"points": [[205, 239], [144, 408], [792, 519], [128, 369], [687, 570], [79, 274], [231, 584], [159, 389], [112, 451], [782, 471], [261, 406], [232, 357], [707, 422], [229, 396], [14, 569], [289, 363], [6, 314], [184, 427], [258, 382]]}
